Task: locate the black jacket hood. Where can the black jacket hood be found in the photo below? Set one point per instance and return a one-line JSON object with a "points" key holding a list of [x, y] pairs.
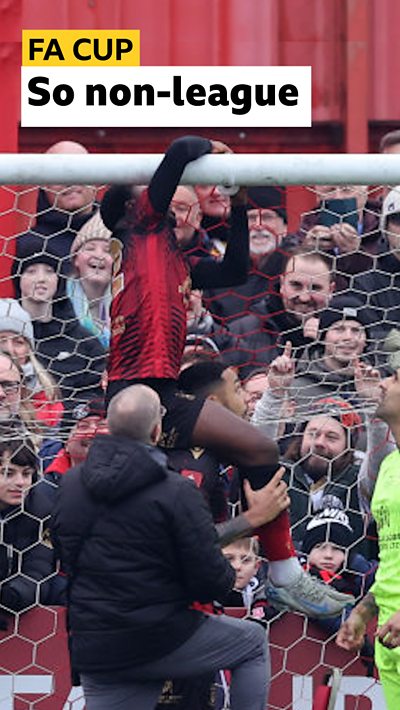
{"points": [[117, 467]]}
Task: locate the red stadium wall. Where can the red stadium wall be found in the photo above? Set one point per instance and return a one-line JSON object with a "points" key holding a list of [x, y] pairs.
{"points": [[351, 45]]}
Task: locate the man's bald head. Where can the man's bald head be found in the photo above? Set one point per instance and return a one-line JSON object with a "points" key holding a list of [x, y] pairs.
{"points": [[67, 147], [135, 413], [70, 198]]}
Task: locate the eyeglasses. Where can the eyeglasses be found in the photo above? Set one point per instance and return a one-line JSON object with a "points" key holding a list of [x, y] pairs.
{"points": [[9, 387], [163, 411]]}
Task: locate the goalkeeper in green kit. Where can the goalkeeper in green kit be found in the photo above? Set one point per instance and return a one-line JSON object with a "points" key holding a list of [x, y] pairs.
{"points": [[383, 599]]}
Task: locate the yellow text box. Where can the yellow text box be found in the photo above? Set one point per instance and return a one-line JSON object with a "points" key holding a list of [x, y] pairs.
{"points": [[71, 48]]}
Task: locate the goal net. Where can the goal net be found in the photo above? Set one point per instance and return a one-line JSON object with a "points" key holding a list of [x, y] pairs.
{"points": [[311, 333]]}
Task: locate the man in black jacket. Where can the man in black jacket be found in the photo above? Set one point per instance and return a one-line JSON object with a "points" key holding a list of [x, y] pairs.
{"points": [[138, 543], [61, 211], [380, 288]]}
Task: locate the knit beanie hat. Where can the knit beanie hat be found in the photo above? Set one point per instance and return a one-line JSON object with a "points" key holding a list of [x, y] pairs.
{"points": [[16, 320], [331, 524], [267, 198], [344, 307], [36, 251], [94, 228]]}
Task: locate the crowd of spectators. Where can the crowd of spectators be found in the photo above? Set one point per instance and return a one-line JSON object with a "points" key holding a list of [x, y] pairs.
{"points": [[299, 349]]}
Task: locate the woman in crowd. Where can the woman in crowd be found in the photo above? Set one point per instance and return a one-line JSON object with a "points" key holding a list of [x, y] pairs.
{"points": [[68, 351], [89, 283], [16, 339], [17, 415]]}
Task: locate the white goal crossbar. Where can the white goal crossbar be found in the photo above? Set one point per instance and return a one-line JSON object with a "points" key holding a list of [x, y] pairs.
{"points": [[237, 169]]}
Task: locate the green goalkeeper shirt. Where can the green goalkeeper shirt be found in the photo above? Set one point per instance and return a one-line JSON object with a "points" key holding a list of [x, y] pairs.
{"points": [[385, 507]]}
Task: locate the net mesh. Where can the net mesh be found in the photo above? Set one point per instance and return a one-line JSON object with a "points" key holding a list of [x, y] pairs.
{"points": [[317, 362]]}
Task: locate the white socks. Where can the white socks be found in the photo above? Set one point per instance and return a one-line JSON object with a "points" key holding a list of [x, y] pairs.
{"points": [[283, 573]]}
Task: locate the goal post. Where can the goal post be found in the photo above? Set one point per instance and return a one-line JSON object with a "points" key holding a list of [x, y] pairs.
{"points": [[235, 169]]}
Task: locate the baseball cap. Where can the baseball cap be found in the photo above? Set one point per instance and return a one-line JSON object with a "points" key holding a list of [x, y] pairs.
{"points": [[391, 206]]}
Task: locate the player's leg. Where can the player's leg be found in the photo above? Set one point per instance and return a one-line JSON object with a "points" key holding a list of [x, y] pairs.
{"points": [[239, 442], [232, 438]]}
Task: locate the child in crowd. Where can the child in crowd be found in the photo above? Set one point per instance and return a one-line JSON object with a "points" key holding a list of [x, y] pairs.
{"points": [[89, 283], [328, 554], [249, 591], [27, 560], [325, 543], [71, 354]]}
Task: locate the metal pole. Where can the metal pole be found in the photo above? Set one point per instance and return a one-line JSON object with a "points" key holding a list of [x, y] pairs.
{"points": [[238, 169]]}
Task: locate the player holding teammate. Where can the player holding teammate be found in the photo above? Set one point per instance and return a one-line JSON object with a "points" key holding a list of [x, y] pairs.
{"points": [[152, 280]]}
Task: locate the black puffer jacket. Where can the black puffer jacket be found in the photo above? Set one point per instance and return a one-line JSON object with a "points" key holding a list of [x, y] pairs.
{"points": [[255, 340], [26, 556], [70, 353], [55, 230], [380, 290], [139, 544]]}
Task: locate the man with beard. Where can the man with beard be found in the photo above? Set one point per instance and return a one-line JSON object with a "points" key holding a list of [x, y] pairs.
{"points": [[323, 463], [268, 245], [220, 383]]}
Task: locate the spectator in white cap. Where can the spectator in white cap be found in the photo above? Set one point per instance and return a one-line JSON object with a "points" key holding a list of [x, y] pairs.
{"points": [[89, 284], [16, 339]]}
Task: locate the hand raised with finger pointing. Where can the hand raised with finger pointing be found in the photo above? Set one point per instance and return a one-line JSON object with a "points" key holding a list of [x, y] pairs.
{"points": [[281, 371]]}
